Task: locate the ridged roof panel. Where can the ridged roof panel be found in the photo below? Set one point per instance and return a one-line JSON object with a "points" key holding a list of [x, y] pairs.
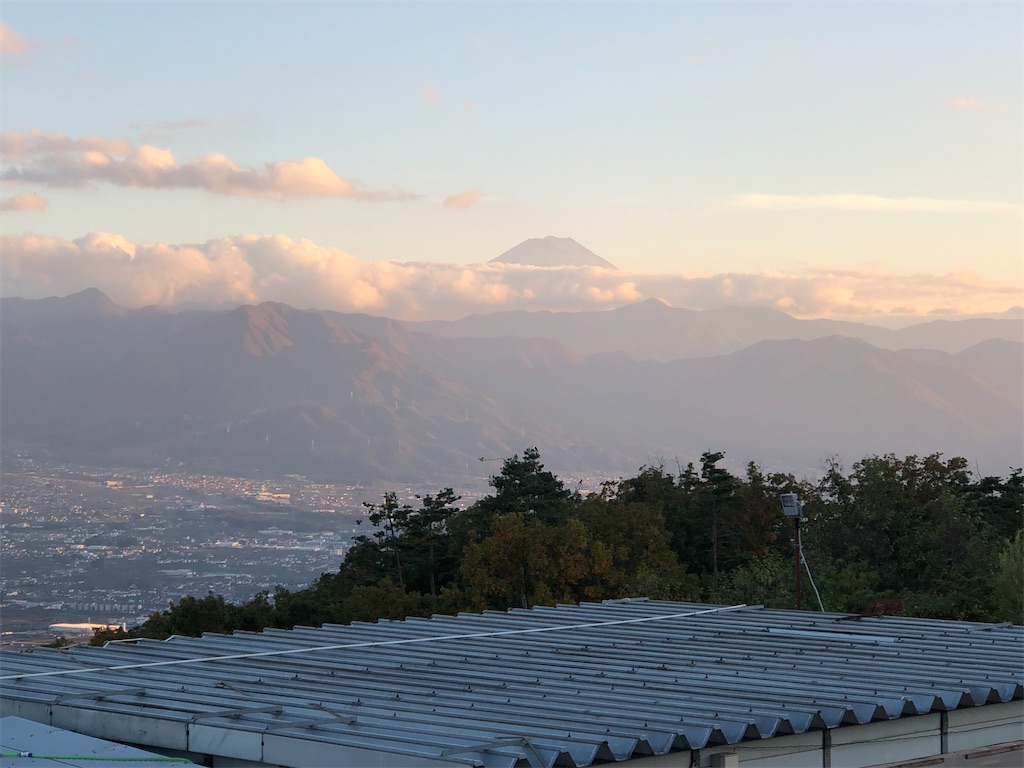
{"points": [[569, 685]]}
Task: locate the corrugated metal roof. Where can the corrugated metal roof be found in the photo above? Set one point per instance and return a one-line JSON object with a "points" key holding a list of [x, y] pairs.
{"points": [[26, 744], [569, 685]]}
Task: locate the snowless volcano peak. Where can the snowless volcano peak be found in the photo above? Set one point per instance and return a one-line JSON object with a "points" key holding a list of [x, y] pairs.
{"points": [[552, 252]]}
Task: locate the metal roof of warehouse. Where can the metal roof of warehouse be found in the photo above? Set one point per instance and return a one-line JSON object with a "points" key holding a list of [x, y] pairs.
{"points": [[27, 744], [569, 685]]}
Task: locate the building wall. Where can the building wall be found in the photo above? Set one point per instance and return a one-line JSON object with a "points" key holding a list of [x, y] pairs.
{"points": [[860, 746], [886, 742], [801, 750], [981, 726]]}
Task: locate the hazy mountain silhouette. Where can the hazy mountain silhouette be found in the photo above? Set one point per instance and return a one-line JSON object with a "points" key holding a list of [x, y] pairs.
{"points": [[273, 389], [788, 402], [652, 330], [265, 388], [552, 252], [89, 303]]}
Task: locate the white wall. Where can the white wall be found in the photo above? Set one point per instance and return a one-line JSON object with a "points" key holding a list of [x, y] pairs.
{"points": [[991, 724], [859, 746], [886, 741], [801, 750]]}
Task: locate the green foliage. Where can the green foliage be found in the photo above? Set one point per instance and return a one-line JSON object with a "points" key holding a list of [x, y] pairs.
{"points": [[764, 581], [431, 555], [999, 502], [642, 561], [918, 532], [525, 487], [501, 569], [1008, 582], [916, 526]]}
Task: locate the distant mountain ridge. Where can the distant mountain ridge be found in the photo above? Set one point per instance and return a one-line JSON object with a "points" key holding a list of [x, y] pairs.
{"points": [[271, 389], [653, 330]]}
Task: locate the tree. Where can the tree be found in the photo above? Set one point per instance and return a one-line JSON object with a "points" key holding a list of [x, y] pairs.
{"points": [[524, 486], [501, 571], [689, 534], [718, 489], [428, 542], [1000, 503], [760, 526], [391, 521], [636, 537], [1008, 581], [907, 522], [582, 564], [914, 528], [767, 581]]}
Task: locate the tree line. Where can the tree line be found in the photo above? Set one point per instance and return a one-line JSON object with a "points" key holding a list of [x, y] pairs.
{"points": [[919, 535]]}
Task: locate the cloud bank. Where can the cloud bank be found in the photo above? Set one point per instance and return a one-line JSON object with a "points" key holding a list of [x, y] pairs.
{"points": [[874, 203], [254, 268], [57, 160]]}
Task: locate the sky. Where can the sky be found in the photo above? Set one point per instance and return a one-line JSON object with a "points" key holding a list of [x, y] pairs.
{"points": [[855, 160]]}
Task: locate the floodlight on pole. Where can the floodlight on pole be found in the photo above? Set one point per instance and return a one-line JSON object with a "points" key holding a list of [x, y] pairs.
{"points": [[794, 508], [791, 507]]}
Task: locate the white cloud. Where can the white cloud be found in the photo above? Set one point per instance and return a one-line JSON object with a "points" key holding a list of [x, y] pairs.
{"points": [[24, 201], [57, 160], [873, 203], [254, 268]]}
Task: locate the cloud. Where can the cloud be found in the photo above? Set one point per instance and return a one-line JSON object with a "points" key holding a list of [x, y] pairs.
{"points": [[24, 201], [14, 46], [872, 203], [969, 105], [254, 268], [34, 142], [12, 43], [464, 199], [57, 160]]}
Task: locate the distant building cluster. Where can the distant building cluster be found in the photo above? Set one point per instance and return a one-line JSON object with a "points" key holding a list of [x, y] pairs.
{"points": [[111, 548]]}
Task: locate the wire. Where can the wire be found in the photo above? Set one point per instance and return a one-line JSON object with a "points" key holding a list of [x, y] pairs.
{"points": [[803, 559], [376, 643]]}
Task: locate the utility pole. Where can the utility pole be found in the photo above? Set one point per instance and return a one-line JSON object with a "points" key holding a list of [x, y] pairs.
{"points": [[796, 560], [791, 507]]}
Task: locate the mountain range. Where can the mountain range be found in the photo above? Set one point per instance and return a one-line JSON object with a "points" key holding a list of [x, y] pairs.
{"points": [[652, 330], [272, 389]]}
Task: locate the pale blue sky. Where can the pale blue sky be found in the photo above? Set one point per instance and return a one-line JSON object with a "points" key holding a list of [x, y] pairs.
{"points": [[670, 138]]}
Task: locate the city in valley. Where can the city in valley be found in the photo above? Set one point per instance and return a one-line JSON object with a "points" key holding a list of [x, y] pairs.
{"points": [[85, 545]]}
